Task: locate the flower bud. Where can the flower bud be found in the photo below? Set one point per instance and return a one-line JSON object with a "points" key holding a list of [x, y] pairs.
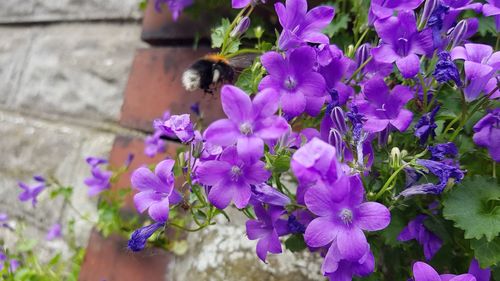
{"points": [[362, 54], [395, 159], [335, 139], [338, 117], [458, 33], [429, 7], [241, 27]]}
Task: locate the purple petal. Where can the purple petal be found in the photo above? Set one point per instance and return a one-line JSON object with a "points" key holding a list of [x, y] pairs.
{"points": [[478, 52], [320, 232], [320, 199], [270, 243], [295, 13], [373, 125], [164, 172], [256, 230], [384, 54], [159, 211], [424, 272], [403, 121], [314, 105], [292, 104], [238, 4], [464, 277], [271, 128], [302, 60], [408, 66], [256, 173], [332, 258], [352, 243], [143, 179], [222, 132], [266, 103], [372, 216], [387, 30], [212, 172], [477, 271], [145, 199], [318, 18], [274, 63], [236, 104], [250, 149], [221, 194], [376, 90], [242, 195]]}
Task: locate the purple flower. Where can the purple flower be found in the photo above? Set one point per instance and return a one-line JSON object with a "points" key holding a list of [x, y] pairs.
{"points": [[446, 70], [424, 272], [339, 269], [295, 226], [493, 9], [154, 144], [238, 4], [435, 23], [4, 217], [381, 9], [249, 123], [95, 161], [54, 232], [333, 67], [267, 228], [230, 178], [487, 133], [156, 191], [180, 125], [417, 230], [300, 88], [269, 195], [31, 192], [480, 67], [14, 265], [426, 126], [384, 108], [175, 6], [342, 217], [315, 162], [442, 171], [478, 272], [402, 43], [456, 7], [442, 151], [139, 237], [301, 26], [99, 179], [373, 68]]}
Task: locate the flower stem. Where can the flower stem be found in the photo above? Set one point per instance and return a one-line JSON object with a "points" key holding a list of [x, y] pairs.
{"points": [[244, 51], [361, 39], [359, 69], [389, 181]]}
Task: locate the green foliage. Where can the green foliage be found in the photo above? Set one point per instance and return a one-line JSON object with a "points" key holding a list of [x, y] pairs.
{"points": [[249, 78], [295, 243], [474, 207], [487, 252], [220, 36], [340, 23]]}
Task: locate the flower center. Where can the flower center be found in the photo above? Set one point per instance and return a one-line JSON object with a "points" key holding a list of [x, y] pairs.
{"points": [[346, 216], [290, 83], [382, 108], [403, 45], [235, 172], [246, 128]]}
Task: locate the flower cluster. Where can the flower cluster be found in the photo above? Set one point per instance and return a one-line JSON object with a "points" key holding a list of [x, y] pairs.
{"points": [[324, 143]]}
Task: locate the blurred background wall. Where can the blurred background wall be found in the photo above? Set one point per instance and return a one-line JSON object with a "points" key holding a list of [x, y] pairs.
{"points": [[63, 68]]}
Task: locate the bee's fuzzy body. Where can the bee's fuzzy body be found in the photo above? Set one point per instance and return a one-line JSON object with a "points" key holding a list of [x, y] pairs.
{"points": [[207, 72]]}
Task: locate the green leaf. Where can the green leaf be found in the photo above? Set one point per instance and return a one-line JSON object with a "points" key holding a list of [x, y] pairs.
{"points": [[474, 206], [26, 245], [486, 25], [487, 253], [295, 243], [339, 23], [219, 32], [282, 163]]}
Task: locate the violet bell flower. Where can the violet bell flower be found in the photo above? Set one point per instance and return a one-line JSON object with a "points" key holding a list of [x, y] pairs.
{"points": [[32, 192], [424, 272], [99, 179], [238, 4], [175, 6], [54, 232], [481, 65], [301, 26], [180, 126], [156, 190], [342, 217], [402, 43], [487, 133], [417, 230], [249, 122], [139, 237], [492, 8], [300, 88], [339, 269], [267, 229], [231, 178], [384, 108], [382, 9]]}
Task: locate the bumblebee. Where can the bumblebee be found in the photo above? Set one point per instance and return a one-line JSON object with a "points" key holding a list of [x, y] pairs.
{"points": [[211, 70]]}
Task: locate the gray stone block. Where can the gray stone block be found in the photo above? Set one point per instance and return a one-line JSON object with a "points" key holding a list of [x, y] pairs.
{"points": [[59, 10], [78, 70]]}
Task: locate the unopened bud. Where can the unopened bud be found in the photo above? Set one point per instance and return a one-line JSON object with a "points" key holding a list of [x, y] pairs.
{"points": [[458, 33], [241, 27], [362, 54], [338, 118], [395, 157], [429, 7], [335, 139]]}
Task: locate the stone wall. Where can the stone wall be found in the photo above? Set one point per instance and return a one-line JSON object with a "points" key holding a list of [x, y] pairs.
{"points": [[63, 68]]}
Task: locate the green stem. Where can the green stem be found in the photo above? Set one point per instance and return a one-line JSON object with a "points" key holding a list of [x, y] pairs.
{"points": [[389, 181], [244, 51], [424, 91], [188, 229], [359, 69], [494, 169], [231, 27], [361, 39]]}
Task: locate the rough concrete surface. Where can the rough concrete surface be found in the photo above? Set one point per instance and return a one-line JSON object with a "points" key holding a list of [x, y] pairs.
{"points": [[14, 11]]}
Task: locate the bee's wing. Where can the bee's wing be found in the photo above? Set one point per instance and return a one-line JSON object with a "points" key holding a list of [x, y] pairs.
{"points": [[242, 61]]}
